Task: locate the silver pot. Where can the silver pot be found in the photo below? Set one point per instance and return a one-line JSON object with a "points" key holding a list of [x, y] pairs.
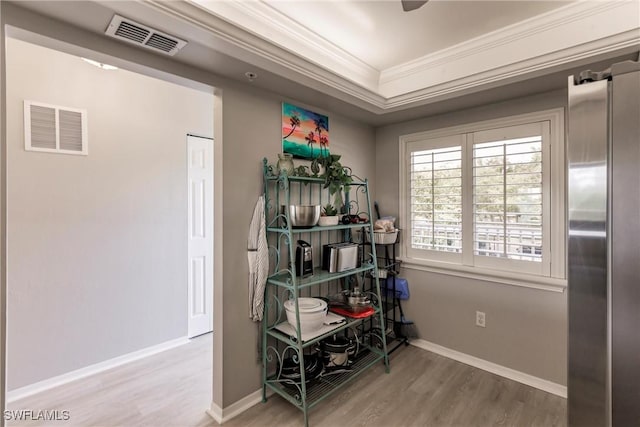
{"points": [[358, 300], [303, 216]]}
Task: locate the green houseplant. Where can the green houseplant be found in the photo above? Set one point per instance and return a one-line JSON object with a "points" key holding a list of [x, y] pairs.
{"points": [[337, 178], [329, 210]]}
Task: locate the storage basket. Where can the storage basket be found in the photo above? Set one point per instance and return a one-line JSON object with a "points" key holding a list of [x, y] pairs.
{"points": [[379, 237], [383, 237]]}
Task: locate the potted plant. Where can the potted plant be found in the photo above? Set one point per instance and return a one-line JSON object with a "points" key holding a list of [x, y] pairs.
{"points": [[328, 216], [337, 178]]}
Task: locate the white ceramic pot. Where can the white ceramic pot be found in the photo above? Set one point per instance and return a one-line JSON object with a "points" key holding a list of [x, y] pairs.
{"points": [[313, 312], [326, 221]]}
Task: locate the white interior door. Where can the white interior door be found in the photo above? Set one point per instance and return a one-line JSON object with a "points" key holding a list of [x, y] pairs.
{"points": [[200, 251]]}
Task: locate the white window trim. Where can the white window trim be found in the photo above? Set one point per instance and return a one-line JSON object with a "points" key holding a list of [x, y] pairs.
{"points": [[556, 204]]}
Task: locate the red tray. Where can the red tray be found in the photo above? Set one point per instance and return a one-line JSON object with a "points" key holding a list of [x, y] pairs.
{"points": [[360, 315]]}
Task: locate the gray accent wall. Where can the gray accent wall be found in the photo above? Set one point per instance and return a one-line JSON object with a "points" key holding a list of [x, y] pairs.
{"points": [[251, 127], [526, 328], [98, 243], [247, 128]]}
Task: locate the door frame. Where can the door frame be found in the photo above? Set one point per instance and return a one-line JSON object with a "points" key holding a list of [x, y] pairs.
{"points": [[12, 24]]}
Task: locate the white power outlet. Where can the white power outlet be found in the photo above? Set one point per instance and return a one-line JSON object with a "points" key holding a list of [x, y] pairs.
{"points": [[481, 319]]}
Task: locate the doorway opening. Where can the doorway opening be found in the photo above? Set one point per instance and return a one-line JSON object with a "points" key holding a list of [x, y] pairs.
{"points": [[98, 242]]}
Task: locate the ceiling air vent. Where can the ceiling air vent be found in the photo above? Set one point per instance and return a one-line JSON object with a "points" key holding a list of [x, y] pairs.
{"points": [[133, 32]]}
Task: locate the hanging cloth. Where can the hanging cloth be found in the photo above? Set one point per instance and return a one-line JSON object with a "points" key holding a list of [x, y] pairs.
{"points": [[258, 256]]}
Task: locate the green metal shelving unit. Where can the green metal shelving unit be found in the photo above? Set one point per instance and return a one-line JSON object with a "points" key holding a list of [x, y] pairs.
{"points": [[282, 284]]}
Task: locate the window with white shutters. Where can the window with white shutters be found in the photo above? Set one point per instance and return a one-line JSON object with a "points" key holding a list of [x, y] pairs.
{"points": [[482, 198], [507, 198], [435, 185], [55, 129], [436, 199]]}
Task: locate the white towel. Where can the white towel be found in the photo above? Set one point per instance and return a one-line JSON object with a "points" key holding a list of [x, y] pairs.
{"points": [[258, 257]]}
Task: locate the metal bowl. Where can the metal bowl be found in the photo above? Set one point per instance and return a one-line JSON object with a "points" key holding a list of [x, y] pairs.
{"points": [[304, 216], [358, 300]]}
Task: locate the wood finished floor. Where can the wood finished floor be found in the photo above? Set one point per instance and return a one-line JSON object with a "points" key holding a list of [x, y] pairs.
{"points": [[423, 389]]}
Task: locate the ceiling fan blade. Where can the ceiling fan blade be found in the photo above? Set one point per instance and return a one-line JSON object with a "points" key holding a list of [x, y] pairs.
{"points": [[409, 5]]}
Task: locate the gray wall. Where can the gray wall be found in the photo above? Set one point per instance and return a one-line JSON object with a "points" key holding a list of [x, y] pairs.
{"points": [[247, 129], [252, 131], [97, 244], [526, 328]]}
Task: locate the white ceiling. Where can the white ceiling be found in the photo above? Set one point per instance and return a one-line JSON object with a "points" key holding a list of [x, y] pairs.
{"points": [[382, 35], [368, 59], [393, 59]]}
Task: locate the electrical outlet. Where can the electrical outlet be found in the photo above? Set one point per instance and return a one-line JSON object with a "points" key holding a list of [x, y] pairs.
{"points": [[481, 319]]}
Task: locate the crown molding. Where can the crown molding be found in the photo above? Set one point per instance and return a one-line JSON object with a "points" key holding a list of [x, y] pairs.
{"points": [[261, 19], [241, 44], [628, 41], [256, 33], [560, 36], [502, 37]]}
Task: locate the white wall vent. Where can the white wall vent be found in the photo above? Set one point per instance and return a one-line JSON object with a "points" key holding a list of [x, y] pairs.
{"points": [[133, 32], [55, 129]]}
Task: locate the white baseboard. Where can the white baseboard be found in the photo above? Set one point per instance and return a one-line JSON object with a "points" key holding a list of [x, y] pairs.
{"points": [[512, 374], [40, 386], [215, 412], [223, 415]]}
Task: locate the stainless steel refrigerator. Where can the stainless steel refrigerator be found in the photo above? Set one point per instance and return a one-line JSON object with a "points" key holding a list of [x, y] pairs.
{"points": [[604, 247]]}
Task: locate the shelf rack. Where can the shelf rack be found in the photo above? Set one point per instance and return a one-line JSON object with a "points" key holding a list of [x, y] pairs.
{"points": [[391, 304], [282, 284]]}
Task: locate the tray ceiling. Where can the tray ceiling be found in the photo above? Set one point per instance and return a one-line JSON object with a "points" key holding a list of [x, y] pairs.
{"points": [[390, 58], [381, 35], [373, 61]]}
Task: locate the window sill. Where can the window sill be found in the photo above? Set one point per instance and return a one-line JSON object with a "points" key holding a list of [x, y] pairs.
{"points": [[493, 276]]}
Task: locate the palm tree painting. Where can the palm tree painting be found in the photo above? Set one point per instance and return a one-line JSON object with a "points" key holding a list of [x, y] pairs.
{"points": [[311, 139], [305, 134]]}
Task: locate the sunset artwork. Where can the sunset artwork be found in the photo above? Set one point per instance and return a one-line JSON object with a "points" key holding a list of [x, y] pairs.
{"points": [[305, 134]]}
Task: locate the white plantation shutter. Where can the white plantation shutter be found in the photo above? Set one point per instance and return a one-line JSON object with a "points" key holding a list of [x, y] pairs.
{"points": [[507, 193], [55, 129], [435, 186], [508, 201], [482, 198]]}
